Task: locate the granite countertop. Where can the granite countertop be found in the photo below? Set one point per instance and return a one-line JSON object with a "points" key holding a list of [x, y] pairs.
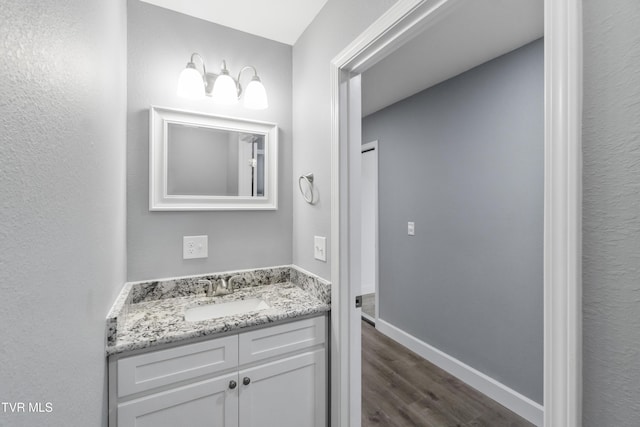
{"points": [[139, 322]]}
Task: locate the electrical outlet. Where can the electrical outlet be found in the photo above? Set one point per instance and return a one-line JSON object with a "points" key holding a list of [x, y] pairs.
{"points": [[195, 247], [411, 228], [320, 248]]}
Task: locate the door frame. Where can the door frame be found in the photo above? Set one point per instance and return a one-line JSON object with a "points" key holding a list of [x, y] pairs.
{"points": [[368, 146], [562, 197]]}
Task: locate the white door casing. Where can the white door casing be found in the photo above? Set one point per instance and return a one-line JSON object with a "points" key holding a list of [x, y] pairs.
{"points": [[354, 231], [369, 202]]}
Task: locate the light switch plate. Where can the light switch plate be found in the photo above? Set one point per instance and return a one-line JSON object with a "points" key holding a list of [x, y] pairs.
{"points": [[411, 228], [320, 248], [195, 247]]}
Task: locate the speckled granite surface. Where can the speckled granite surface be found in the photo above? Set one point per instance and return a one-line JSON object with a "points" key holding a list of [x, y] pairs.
{"points": [[148, 314]]}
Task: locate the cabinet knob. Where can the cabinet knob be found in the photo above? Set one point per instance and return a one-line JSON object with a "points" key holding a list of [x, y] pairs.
{"points": [[246, 380], [232, 384]]}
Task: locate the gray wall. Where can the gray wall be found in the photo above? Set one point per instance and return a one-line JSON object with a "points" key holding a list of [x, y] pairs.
{"points": [[160, 43], [62, 221], [611, 214], [337, 24], [464, 161]]}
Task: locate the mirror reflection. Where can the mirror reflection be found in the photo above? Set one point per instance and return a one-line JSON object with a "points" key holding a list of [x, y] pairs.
{"points": [[203, 161], [200, 161]]}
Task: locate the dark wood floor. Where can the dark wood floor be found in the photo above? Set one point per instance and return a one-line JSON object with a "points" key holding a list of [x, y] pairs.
{"points": [[399, 388]]}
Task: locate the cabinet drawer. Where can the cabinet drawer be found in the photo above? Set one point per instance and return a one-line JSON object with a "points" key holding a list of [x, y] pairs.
{"points": [[277, 340], [163, 367]]}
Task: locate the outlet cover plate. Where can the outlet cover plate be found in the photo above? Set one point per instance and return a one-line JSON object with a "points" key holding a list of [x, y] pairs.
{"points": [[195, 247], [320, 248]]}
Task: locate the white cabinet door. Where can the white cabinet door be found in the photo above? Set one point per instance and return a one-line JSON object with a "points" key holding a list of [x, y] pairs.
{"points": [[210, 403], [289, 392]]}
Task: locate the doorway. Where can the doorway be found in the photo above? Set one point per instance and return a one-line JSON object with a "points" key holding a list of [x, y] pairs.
{"points": [[464, 271], [562, 201]]}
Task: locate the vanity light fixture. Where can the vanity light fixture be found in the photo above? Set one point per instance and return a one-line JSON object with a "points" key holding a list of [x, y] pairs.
{"points": [[222, 88]]}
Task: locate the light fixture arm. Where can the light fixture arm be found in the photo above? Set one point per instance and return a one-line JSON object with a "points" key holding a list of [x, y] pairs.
{"points": [[255, 75], [223, 67], [192, 64]]}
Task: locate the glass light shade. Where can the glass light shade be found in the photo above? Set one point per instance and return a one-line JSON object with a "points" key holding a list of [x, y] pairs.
{"points": [[255, 97], [224, 90], [190, 84]]}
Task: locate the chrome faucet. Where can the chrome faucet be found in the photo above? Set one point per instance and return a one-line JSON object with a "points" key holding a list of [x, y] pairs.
{"points": [[210, 290], [234, 279], [225, 287]]}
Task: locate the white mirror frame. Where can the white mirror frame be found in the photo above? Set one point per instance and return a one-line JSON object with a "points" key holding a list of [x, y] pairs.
{"points": [[160, 200], [562, 198]]}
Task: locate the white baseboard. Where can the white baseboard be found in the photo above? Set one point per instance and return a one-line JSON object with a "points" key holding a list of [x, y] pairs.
{"points": [[516, 402], [369, 318]]}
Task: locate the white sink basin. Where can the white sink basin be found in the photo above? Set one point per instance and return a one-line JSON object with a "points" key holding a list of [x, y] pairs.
{"points": [[214, 311]]}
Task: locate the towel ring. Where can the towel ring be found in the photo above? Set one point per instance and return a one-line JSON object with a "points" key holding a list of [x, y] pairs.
{"points": [[309, 178]]}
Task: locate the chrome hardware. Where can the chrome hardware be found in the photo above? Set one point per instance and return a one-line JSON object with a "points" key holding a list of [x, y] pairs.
{"points": [[233, 280], [308, 195], [226, 286], [223, 288], [246, 380], [210, 290]]}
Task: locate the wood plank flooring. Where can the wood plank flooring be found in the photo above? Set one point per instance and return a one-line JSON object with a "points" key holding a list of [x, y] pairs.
{"points": [[400, 388]]}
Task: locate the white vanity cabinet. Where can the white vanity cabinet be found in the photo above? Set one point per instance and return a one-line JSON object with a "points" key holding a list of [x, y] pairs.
{"points": [[275, 376]]}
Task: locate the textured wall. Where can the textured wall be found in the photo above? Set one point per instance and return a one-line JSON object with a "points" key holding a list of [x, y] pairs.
{"points": [[339, 22], [62, 222], [611, 214], [464, 161], [155, 59]]}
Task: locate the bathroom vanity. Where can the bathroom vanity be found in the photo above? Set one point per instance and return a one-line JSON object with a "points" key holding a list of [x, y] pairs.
{"points": [[264, 367]]}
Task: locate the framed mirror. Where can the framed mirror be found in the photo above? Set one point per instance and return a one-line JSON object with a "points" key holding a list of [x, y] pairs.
{"points": [[205, 162]]}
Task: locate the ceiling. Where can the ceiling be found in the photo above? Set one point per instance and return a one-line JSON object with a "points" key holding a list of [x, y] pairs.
{"points": [[472, 33], [280, 20]]}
